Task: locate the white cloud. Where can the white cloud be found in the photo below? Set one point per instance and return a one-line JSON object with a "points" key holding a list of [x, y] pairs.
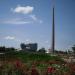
{"points": [[46, 41], [12, 38], [23, 10], [9, 38], [28, 41], [18, 40], [36, 19], [22, 21], [16, 21]]}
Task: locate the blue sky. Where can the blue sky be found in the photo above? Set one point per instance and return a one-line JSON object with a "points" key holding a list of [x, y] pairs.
{"points": [[31, 21]]}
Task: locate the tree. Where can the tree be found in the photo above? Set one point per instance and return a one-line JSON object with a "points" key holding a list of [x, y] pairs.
{"points": [[73, 48], [11, 49], [42, 50], [23, 46], [2, 49]]}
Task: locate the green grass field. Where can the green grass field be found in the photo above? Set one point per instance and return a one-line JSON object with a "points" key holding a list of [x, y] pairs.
{"points": [[41, 61], [28, 56]]}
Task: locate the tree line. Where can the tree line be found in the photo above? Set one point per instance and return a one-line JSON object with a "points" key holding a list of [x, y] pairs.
{"points": [[3, 49]]}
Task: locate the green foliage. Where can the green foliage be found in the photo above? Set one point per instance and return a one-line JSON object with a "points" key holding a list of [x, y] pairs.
{"points": [[73, 48], [42, 50], [40, 60], [5, 50], [26, 57]]}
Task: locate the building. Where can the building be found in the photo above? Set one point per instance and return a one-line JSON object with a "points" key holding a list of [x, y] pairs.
{"points": [[31, 47]]}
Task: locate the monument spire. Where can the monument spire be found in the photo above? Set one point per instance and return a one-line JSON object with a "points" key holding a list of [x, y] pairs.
{"points": [[53, 32]]}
